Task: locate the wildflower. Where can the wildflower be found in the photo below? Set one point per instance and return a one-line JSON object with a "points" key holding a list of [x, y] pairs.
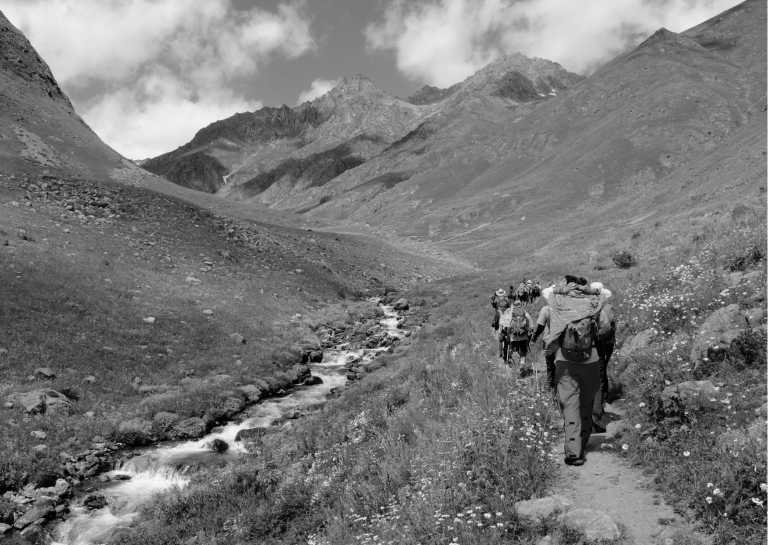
{"points": [[638, 426], [686, 453], [710, 485], [487, 515], [641, 404], [625, 447], [708, 499], [757, 501], [764, 487], [717, 492]]}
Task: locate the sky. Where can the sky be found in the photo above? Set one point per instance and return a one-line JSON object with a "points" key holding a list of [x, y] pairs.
{"points": [[146, 75]]}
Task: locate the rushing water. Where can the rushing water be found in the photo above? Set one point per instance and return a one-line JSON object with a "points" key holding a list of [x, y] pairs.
{"points": [[138, 480]]}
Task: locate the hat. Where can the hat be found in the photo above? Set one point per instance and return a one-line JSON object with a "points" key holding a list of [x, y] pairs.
{"points": [[580, 280], [501, 293]]}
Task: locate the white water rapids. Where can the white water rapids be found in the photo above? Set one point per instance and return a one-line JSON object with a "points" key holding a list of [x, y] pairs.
{"points": [[162, 468]]}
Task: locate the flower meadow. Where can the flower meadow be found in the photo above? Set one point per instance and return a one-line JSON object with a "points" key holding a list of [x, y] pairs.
{"points": [[708, 454]]}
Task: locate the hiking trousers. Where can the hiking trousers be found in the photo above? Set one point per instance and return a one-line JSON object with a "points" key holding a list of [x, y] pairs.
{"points": [[577, 386]]}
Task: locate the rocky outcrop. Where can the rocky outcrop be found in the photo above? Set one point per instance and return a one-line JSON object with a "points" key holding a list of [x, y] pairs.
{"points": [[595, 526], [717, 332], [694, 394], [44, 400], [537, 510]]}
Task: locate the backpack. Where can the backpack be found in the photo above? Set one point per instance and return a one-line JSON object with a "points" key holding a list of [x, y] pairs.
{"points": [[518, 323], [578, 339], [606, 325]]}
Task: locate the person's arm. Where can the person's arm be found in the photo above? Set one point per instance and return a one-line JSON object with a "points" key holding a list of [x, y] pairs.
{"points": [[539, 331]]}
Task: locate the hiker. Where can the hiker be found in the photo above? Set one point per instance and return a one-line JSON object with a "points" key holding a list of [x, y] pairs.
{"points": [[606, 339], [502, 325], [499, 297], [515, 326], [574, 310]]}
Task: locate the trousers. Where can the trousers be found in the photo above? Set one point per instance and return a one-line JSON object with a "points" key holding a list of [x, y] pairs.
{"points": [[577, 386]]}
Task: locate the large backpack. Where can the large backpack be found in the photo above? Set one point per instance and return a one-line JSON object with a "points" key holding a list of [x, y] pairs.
{"points": [[518, 323], [578, 339]]}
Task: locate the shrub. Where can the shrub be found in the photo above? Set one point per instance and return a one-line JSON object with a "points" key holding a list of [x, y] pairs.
{"points": [[623, 259], [750, 258]]}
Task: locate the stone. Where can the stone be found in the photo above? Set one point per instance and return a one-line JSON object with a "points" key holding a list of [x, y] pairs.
{"points": [[94, 501], [8, 405], [593, 525], [219, 445], [694, 394], [45, 373], [37, 512], [89, 379], [89, 414], [718, 330], [536, 511], [38, 434], [401, 305], [315, 356], [636, 343], [208, 312], [250, 434], [237, 338], [40, 449], [43, 401], [135, 432], [189, 428], [313, 381], [149, 320]]}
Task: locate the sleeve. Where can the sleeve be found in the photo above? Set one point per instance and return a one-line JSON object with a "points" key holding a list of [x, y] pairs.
{"points": [[543, 318]]}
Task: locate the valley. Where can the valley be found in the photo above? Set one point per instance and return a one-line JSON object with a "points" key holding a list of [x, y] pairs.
{"points": [[163, 323]]}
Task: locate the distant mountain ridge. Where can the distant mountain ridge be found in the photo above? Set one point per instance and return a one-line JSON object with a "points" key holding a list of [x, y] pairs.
{"points": [[269, 155]]}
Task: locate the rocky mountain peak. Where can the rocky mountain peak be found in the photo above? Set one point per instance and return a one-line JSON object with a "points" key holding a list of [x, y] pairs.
{"points": [[19, 58]]}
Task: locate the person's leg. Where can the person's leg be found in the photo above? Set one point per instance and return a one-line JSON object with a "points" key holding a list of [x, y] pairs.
{"points": [[589, 383], [568, 399]]}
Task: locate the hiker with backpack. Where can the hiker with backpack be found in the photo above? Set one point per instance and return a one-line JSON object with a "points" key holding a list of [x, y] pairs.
{"points": [[574, 316], [498, 299], [515, 326]]}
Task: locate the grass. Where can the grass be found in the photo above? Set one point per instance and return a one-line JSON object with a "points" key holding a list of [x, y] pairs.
{"points": [[436, 447], [83, 264]]}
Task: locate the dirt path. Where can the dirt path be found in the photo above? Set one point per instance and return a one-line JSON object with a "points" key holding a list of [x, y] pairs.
{"points": [[608, 483]]}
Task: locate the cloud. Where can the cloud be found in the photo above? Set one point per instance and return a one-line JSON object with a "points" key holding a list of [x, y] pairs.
{"points": [[443, 41], [123, 61], [316, 89]]}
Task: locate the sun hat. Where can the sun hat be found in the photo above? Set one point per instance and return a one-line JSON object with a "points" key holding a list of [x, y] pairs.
{"points": [[501, 293]]}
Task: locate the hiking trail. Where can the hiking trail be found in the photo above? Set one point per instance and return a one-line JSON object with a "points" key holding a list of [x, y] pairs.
{"points": [[608, 483]]}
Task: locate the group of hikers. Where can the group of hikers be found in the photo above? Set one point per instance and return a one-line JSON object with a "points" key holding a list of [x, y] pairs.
{"points": [[578, 329]]}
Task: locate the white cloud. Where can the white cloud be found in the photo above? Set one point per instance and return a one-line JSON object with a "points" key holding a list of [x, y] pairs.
{"points": [[444, 41], [172, 59], [316, 89]]}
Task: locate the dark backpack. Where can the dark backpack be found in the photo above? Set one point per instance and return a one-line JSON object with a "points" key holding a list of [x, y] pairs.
{"points": [[518, 325], [578, 339]]}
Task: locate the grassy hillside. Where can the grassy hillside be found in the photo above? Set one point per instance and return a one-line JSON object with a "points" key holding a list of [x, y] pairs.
{"points": [[123, 293]]}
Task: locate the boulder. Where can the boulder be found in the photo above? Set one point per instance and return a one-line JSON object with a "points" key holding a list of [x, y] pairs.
{"points": [[38, 434], [595, 526], [135, 432], [313, 381], [315, 356], [401, 305], [44, 479], [636, 343], [36, 513], [44, 373], [189, 428], [695, 394], [250, 434], [44, 400], [94, 501], [286, 356], [717, 332], [755, 316], [219, 445], [4, 528], [237, 338], [538, 510]]}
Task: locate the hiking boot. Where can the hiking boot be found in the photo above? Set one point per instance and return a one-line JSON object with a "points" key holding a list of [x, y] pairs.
{"points": [[572, 460]]}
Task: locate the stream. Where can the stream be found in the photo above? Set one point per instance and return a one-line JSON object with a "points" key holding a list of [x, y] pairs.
{"points": [[138, 480]]}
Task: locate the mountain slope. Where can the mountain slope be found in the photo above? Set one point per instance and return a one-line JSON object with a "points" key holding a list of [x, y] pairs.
{"points": [[624, 132]]}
